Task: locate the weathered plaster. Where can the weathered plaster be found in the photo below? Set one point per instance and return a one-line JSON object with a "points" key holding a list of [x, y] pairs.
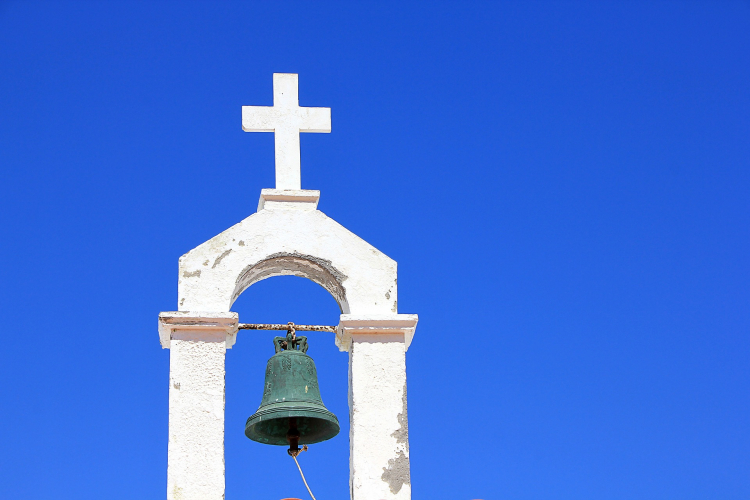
{"points": [[280, 240], [306, 266], [378, 441], [288, 236], [197, 343], [190, 321], [402, 433], [401, 325], [397, 473], [277, 242]]}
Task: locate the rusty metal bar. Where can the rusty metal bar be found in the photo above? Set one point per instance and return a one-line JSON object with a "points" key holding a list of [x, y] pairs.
{"points": [[299, 328]]}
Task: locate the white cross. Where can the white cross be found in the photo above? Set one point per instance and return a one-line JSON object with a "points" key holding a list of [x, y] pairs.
{"points": [[286, 119]]}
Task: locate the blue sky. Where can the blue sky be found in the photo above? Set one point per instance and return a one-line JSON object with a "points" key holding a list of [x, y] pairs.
{"points": [[564, 185]]}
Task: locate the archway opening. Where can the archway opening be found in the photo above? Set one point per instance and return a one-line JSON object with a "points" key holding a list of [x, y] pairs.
{"points": [[254, 470], [315, 269]]}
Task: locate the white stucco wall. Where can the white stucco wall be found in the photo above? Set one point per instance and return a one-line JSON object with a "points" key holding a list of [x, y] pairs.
{"points": [[284, 239], [197, 343], [379, 435], [288, 236]]}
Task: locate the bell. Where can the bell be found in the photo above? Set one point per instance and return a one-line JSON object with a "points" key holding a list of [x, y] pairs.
{"points": [[291, 411]]}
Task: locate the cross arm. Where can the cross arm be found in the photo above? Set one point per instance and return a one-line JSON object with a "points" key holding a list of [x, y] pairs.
{"points": [[315, 120], [259, 118]]}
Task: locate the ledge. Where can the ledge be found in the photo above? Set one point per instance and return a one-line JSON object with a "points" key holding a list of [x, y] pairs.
{"points": [[288, 199], [205, 322], [351, 324]]}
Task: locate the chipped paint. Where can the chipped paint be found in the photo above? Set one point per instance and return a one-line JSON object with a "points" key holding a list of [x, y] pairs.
{"points": [[402, 433], [220, 258], [196, 414], [287, 236], [321, 271], [281, 240], [378, 433], [397, 473], [353, 271]]}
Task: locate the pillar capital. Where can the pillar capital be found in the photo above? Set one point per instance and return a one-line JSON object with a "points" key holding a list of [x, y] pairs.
{"points": [[190, 323], [385, 328]]}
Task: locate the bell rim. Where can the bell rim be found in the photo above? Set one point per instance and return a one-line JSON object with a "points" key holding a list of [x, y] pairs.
{"points": [[292, 412]]}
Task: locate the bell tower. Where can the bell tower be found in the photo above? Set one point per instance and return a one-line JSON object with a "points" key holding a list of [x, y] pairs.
{"points": [[288, 235]]}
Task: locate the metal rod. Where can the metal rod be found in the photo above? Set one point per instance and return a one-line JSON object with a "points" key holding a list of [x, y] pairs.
{"points": [[299, 328]]}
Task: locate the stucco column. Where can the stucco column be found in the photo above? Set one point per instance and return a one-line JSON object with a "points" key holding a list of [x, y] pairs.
{"points": [[378, 436], [197, 343]]}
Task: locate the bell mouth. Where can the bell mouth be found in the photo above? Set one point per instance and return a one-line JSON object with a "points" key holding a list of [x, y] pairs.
{"points": [[272, 424]]}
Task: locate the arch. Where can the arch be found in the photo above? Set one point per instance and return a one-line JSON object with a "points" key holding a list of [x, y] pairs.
{"points": [[317, 270], [283, 242]]}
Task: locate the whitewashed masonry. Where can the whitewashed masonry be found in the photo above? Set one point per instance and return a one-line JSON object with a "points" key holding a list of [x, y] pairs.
{"points": [[288, 235]]}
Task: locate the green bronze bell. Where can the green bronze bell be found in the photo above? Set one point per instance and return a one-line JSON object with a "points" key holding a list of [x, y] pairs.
{"points": [[291, 411]]}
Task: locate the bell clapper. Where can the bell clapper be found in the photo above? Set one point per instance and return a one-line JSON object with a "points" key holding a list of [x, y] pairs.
{"points": [[292, 436]]}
